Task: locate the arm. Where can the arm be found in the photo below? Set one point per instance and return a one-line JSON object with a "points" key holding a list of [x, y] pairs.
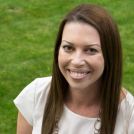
{"points": [[23, 127]]}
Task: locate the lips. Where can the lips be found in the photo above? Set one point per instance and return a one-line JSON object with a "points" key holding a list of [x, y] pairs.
{"points": [[76, 74]]}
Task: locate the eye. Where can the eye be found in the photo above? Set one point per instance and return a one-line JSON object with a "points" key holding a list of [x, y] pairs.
{"points": [[91, 51], [67, 48]]}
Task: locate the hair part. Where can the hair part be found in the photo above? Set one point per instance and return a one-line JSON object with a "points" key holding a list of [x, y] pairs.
{"points": [[112, 75]]}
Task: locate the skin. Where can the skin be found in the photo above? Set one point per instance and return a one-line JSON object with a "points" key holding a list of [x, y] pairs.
{"points": [[81, 63], [80, 51], [23, 127]]}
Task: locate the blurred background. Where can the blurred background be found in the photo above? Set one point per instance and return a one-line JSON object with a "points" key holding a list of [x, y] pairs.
{"points": [[28, 30]]}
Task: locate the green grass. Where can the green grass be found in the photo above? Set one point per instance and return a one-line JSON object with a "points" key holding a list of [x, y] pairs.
{"points": [[27, 34]]}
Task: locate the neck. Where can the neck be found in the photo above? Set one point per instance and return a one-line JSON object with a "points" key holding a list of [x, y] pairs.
{"points": [[87, 98], [86, 103]]}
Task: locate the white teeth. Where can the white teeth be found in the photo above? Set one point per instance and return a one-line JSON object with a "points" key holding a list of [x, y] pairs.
{"points": [[78, 75]]}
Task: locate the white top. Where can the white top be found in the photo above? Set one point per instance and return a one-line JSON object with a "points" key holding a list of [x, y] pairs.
{"points": [[30, 102]]}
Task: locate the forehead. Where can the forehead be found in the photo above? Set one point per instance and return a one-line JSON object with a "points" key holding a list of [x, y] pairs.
{"points": [[80, 33]]}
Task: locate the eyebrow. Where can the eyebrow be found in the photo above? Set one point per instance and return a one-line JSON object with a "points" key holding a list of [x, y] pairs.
{"points": [[87, 45], [68, 42]]}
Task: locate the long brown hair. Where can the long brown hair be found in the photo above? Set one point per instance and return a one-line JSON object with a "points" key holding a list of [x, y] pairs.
{"points": [[112, 75]]}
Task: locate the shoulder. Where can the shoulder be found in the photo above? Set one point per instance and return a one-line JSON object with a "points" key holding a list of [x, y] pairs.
{"points": [[42, 83], [128, 99], [43, 80], [125, 116], [32, 96], [127, 104], [42, 87], [37, 86]]}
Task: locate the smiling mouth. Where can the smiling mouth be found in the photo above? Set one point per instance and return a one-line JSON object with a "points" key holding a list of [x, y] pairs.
{"points": [[78, 74]]}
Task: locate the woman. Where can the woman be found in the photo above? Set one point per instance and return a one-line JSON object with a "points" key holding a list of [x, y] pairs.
{"points": [[84, 94]]}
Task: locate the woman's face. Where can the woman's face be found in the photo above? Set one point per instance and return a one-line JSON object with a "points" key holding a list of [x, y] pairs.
{"points": [[80, 56]]}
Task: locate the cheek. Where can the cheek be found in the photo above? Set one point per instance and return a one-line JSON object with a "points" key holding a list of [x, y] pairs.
{"points": [[62, 58], [98, 63], [101, 64]]}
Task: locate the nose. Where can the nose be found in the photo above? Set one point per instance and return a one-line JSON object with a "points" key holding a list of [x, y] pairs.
{"points": [[77, 59]]}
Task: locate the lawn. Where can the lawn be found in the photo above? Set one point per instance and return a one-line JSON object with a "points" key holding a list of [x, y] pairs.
{"points": [[27, 34]]}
